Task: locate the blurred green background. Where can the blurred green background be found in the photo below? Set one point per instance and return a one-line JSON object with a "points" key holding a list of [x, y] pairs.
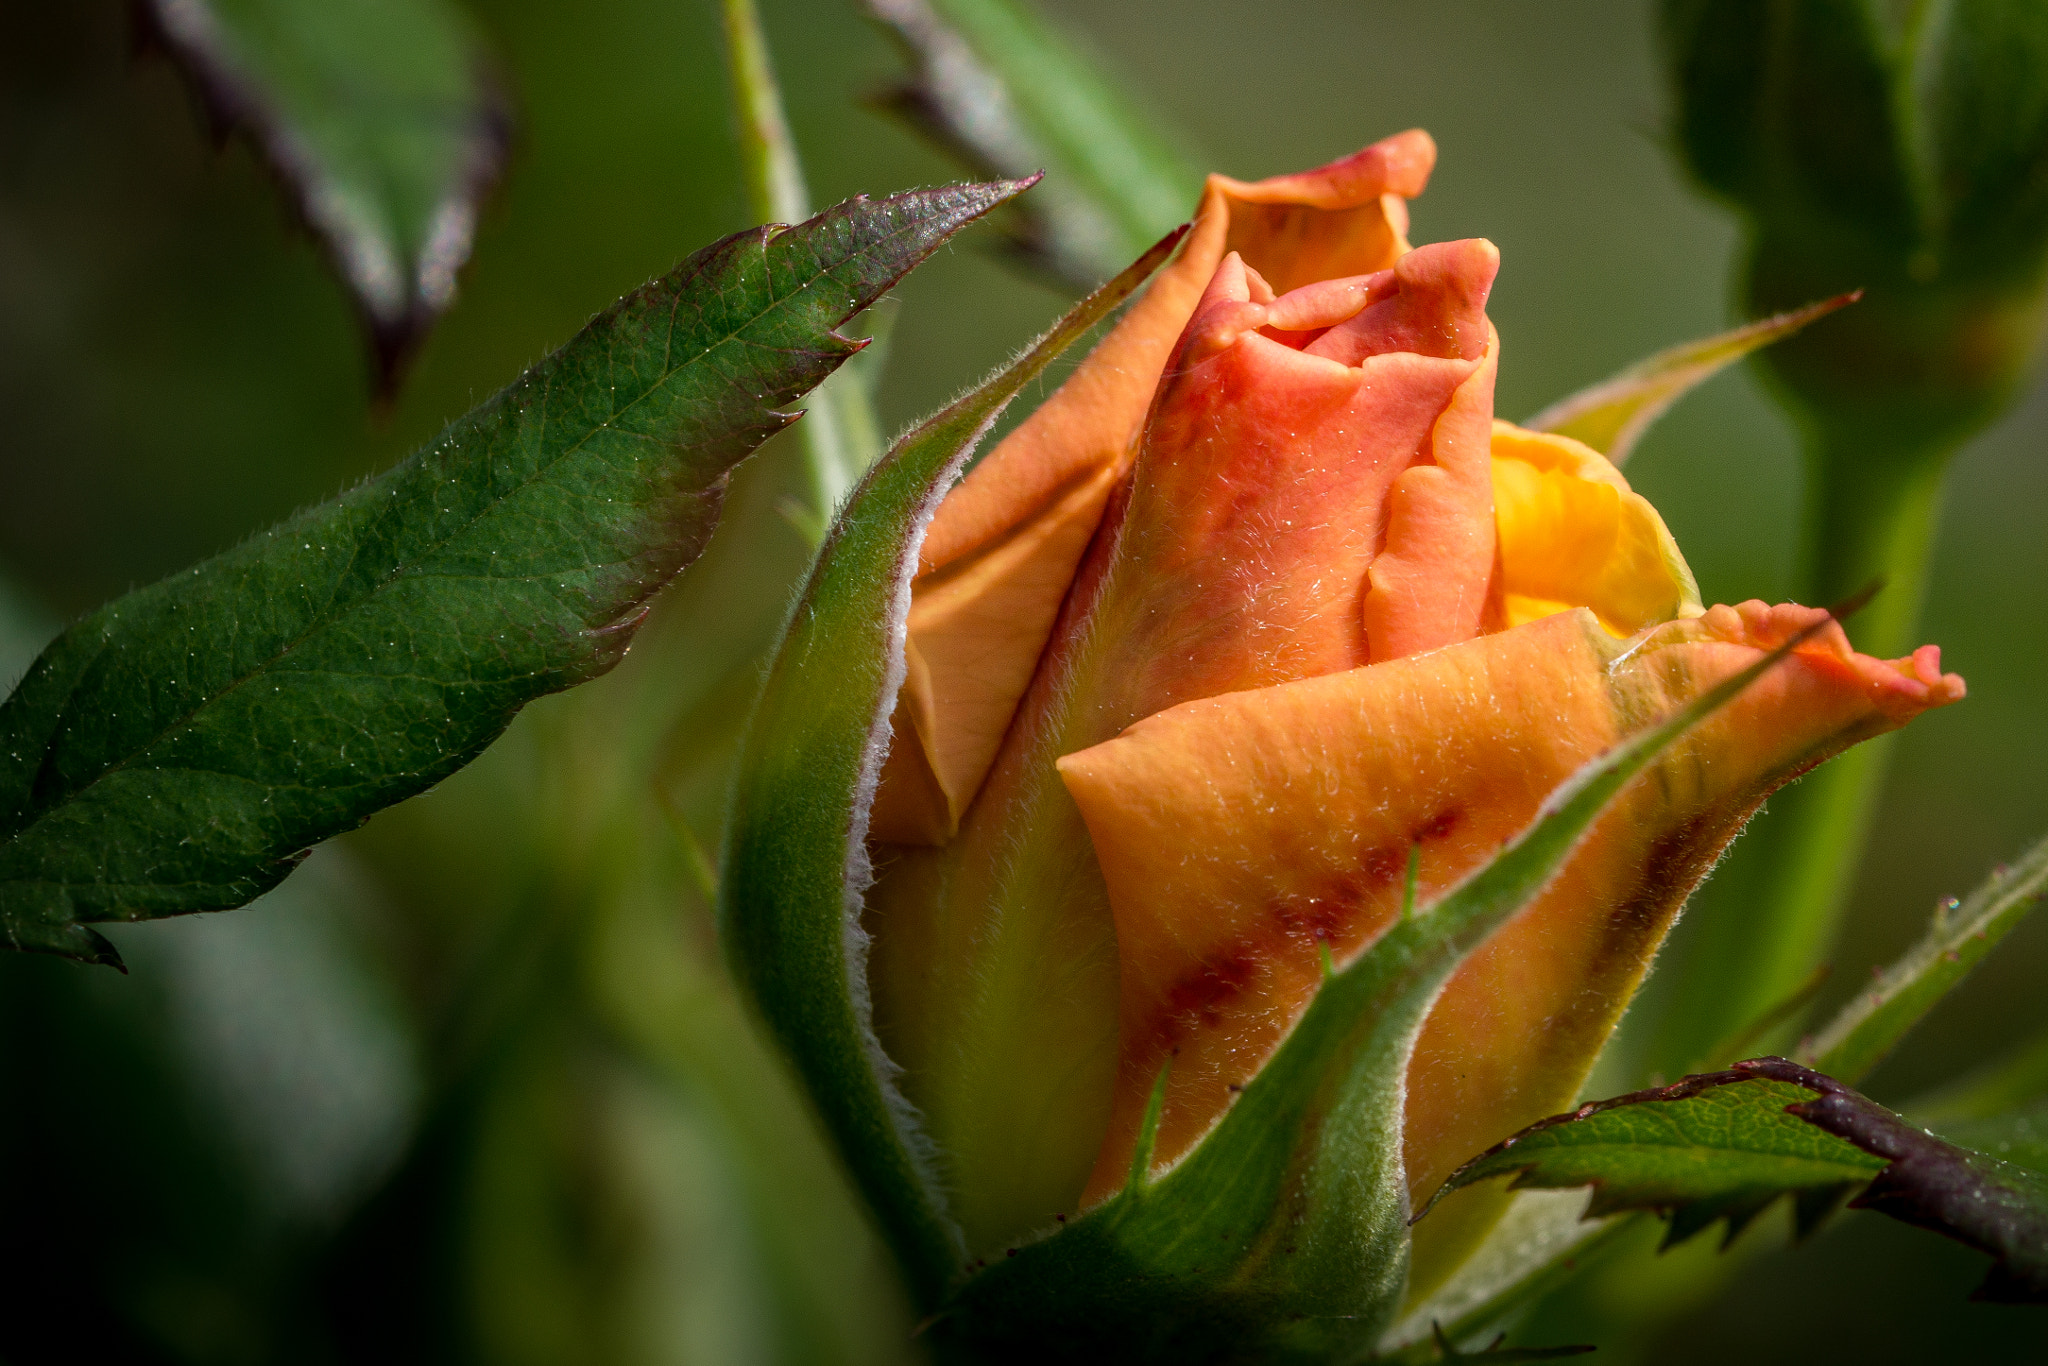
{"points": [[471, 1086]]}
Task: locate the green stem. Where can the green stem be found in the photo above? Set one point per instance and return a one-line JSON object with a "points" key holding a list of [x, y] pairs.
{"points": [[775, 178], [837, 436], [1871, 517]]}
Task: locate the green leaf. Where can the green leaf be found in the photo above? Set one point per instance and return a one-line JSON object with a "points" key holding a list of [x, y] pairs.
{"points": [[179, 749], [1868, 1027], [382, 118], [1612, 415], [1719, 1145], [998, 87], [1727, 1144], [1283, 1235], [795, 863]]}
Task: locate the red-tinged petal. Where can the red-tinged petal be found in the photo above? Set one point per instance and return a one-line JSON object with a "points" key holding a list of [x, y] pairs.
{"points": [[1271, 478], [1238, 833], [1344, 219]]}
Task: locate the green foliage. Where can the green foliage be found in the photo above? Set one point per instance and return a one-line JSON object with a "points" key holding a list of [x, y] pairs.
{"points": [[1871, 1024], [382, 118], [998, 87], [1727, 1144], [1715, 1146], [177, 750], [1612, 416], [795, 861]]}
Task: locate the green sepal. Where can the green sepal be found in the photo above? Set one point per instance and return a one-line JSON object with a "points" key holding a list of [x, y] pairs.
{"points": [[796, 864], [179, 749], [1962, 933], [1283, 1235], [381, 117], [1613, 415]]}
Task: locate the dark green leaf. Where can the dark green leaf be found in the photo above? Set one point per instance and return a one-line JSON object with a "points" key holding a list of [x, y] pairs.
{"points": [[998, 87], [382, 118], [1719, 1145], [795, 864], [1283, 1236], [180, 748], [1868, 1027]]}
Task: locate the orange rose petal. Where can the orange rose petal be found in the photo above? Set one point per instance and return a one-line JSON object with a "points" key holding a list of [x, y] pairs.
{"points": [[1238, 833], [1262, 491], [969, 622], [1347, 218]]}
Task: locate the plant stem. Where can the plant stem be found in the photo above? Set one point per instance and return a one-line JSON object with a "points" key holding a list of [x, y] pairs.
{"points": [[837, 436], [775, 178]]}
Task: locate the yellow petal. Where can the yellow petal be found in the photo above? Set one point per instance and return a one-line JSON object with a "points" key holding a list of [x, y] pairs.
{"points": [[1239, 834], [1347, 218], [1573, 534]]}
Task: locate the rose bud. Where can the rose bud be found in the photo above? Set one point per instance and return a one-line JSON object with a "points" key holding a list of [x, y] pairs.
{"points": [[1259, 605]]}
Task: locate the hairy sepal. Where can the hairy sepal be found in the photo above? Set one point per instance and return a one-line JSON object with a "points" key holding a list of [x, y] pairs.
{"points": [[796, 862]]}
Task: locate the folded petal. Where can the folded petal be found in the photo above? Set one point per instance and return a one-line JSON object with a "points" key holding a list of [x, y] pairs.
{"points": [[1240, 833], [1271, 480], [1344, 219], [1573, 534]]}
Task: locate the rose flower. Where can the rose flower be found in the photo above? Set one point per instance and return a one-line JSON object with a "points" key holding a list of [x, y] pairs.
{"points": [[1261, 600]]}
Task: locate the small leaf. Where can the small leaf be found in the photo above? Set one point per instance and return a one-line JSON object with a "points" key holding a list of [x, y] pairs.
{"points": [[1716, 1146], [180, 749], [796, 865], [1727, 1144], [996, 86], [1962, 933], [382, 118], [1612, 416]]}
